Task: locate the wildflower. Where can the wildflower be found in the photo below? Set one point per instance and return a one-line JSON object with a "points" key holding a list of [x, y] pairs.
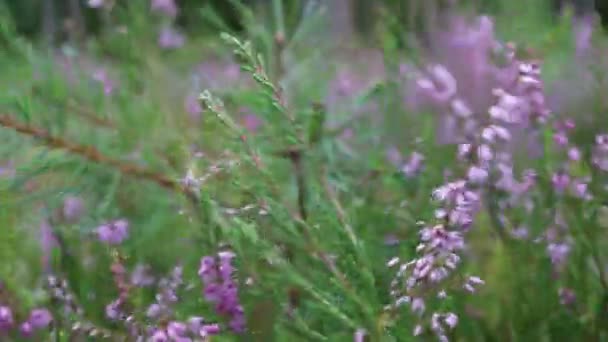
{"points": [[73, 209], [520, 233], [394, 156], [141, 277], [7, 169], [169, 38], [484, 153], [561, 139], [567, 296], [460, 108], [113, 233], [6, 318], [209, 329], [574, 154], [166, 7], [101, 75], [414, 165], [451, 319], [195, 324], [39, 318], [560, 181], [220, 288], [113, 311], [26, 329], [159, 336], [177, 330], [580, 189], [154, 311], [193, 107], [418, 306], [360, 335], [471, 283], [251, 122], [167, 294], [558, 253], [600, 152], [464, 150], [477, 174]]}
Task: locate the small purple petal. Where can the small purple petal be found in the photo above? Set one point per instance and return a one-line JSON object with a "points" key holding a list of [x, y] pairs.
{"points": [[40, 318]]}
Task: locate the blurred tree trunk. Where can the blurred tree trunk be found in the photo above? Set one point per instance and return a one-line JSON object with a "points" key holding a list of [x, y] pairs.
{"points": [[49, 22], [77, 27], [342, 20], [580, 7]]}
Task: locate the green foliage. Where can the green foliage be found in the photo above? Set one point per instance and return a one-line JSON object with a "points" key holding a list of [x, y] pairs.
{"points": [[306, 211]]}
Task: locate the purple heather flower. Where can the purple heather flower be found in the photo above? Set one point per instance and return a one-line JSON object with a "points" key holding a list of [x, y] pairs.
{"points": [[6, 318], [567, 296], [583, 29], [101, 75], [580, 189], [169, 38], [154, 311], [220, 288], [193, 107], [561, 139], [414, 165], [418, 306], [560, 181], [177, 330], [207, 269], [167, 294], [394, 156], [359, 335], [251, 122], [558, 252], [26, 329], [40, 318], [113, 233], [574, 154], [113, 311], [600, 152], [237, 323], [450, 319], [166, 7], [159, 336], [520, 233], [73, 208], [471, 283], [141, 276], [347, 133], [477, 175], [210, 329], [195, 324], [7, 169]]}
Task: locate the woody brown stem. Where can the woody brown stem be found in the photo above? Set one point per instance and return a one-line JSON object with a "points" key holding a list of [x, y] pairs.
{"points": [[90, 153]]}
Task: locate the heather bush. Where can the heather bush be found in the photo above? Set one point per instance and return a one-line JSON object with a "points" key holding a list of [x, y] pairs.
{"points": [[282, 183]]}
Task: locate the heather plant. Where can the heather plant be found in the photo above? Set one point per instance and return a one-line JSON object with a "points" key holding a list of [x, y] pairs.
{"points": [[157, 185]]}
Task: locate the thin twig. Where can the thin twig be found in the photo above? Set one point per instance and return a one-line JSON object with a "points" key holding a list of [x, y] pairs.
{"points": [[90, 153], [333, 197], [295, 156]]}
